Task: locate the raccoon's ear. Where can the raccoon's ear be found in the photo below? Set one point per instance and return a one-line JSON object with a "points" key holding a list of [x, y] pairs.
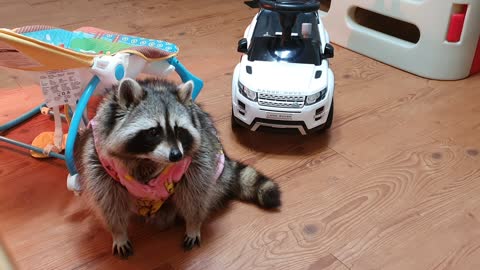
{"points": [[129, 92], [184, 92]]}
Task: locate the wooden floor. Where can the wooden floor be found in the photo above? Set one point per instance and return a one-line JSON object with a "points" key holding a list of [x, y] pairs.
{"points": [[395, 184]]}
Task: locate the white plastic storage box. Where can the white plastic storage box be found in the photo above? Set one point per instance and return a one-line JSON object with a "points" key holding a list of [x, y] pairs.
{"points": [[436, 39]]}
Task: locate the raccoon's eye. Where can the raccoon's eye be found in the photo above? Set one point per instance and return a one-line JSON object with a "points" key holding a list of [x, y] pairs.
{"points": [[185, 138], [179, 132], [154, 132]]}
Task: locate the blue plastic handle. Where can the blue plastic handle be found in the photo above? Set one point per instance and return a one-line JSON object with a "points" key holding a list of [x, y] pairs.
{"points": [[186, 75], [77, 117]]}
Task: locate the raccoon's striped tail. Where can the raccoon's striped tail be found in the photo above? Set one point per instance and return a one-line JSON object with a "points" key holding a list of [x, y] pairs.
{"points": [[255, 187]]}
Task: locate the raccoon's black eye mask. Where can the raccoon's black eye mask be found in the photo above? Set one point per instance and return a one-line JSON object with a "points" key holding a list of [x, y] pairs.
{"points": [[155, 132], [184, 136], [145, 141]]}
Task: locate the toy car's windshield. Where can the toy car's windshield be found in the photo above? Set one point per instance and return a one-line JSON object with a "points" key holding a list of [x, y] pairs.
{"points": [[296, 50], [267, 45]]}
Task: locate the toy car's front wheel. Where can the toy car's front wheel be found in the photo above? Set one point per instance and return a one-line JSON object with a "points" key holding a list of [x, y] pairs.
{"points": [[233, 122], [329, 121]]}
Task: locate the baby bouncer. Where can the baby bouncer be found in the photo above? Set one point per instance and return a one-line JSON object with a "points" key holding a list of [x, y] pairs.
{"points": [[71, 66]]}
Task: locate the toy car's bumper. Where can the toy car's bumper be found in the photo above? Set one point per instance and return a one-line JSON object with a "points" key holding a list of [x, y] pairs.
{"points": [[306, 120], [275, 125]]}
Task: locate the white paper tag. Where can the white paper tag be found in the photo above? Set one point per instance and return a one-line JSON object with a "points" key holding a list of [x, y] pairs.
{"points": [[61, 86], [12, 58]]}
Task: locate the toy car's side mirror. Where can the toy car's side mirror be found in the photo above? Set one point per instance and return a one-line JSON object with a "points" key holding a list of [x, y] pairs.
{"points": [[242, 46], [329, 51]]}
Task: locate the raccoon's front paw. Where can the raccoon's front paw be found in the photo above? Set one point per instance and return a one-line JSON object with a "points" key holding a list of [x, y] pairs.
{"points": [[122, 248], [190, 241]]}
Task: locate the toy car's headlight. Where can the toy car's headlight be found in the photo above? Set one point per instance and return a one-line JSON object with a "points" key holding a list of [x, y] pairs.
{"points": [[250, 94], [312, 99]]}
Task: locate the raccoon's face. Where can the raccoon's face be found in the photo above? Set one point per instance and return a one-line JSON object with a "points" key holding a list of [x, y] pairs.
{"points": [[151, 120]]}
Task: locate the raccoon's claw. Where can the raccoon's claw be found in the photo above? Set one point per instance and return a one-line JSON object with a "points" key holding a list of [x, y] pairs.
{"points": [[122, 250], [189, 242]]}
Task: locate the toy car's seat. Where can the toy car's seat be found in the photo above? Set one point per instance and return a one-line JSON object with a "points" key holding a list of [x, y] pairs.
{"points": [[268, 23], [310, 18]]}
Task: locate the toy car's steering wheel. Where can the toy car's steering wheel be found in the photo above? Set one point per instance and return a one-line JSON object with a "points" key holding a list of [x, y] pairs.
{"points": [[290, 5]]}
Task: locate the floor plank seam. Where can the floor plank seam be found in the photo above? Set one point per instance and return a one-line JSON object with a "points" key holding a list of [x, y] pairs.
{"points": [[340, 261], [354, 163]]}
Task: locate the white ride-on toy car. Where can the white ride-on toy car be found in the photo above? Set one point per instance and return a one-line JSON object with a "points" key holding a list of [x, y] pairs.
{"points": [[284, 79]]}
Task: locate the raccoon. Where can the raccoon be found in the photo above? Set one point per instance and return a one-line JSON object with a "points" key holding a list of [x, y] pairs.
{"points": [[143, 128]]}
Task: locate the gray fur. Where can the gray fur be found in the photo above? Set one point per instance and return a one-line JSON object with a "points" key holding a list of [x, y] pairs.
{"points": [[122, 115]]}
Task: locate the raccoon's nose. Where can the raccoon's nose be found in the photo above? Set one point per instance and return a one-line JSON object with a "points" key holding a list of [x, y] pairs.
{"points": [[175, 155]]}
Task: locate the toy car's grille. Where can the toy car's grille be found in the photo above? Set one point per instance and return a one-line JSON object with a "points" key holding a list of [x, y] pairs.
{"points": [[281, 101]]}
